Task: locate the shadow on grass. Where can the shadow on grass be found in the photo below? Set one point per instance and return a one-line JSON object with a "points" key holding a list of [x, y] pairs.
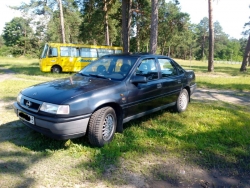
{"points": [[16, 162], [11, 167], [224, 149], [221, 150], [3, 65], [21, 135], [32, 147], [35, 64]]}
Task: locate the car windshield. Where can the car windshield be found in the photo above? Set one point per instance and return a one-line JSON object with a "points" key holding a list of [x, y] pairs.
{"points": [[109, 67]]}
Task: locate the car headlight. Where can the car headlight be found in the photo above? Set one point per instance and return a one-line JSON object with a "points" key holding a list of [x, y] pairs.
{"points": [[19, 97], [54, 108]]}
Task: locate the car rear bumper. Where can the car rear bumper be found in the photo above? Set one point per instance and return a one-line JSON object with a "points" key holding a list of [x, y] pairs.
{"points": [[57, 128], [193, 88]]}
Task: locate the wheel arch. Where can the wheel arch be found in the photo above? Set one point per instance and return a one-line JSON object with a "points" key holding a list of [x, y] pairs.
{"points": [[188, 90], [55, 65], [119, 114]]}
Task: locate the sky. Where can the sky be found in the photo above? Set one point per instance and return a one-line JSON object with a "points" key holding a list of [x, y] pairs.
{"points": [[231, 14], [8, 14]]}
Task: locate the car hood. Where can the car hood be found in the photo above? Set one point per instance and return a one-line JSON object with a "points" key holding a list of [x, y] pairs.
{"points": [[61, 90]]}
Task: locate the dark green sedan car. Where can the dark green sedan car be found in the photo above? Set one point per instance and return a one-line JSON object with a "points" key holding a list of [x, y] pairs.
{"points": [[103, 96]]}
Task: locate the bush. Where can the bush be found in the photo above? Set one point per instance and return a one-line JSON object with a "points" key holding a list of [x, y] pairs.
{"points": [[5, 51]]}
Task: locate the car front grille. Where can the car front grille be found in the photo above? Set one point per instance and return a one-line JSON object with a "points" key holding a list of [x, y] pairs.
{"points": [[30, 104]]}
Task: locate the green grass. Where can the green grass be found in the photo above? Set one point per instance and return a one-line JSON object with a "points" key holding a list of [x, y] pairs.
{"points": [[225, 76], [27, 68], [209, 135]]}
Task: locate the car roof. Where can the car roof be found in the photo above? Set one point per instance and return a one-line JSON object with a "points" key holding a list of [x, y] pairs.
{"points": [[137, 55]]}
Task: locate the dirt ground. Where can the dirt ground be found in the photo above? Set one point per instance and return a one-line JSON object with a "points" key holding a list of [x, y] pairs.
{"points": [[212, 178], [7, 74], [239, 98]]}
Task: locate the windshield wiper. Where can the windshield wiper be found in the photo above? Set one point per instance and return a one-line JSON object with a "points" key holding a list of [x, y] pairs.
{"points": [[82, 74], [98, 76]]}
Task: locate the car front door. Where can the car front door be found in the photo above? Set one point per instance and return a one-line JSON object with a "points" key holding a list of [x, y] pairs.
{"points": [[143, 98]]}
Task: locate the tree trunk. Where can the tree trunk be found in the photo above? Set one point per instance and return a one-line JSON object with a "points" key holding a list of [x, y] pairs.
{"points": [[154, 27], [190, 53], [61, 21], [203, 47], [137, 33], [163, 47], [129, 20], [25, 38], [106, 25], [125, 25], [185, 54], [246, 56], [211, 37]]}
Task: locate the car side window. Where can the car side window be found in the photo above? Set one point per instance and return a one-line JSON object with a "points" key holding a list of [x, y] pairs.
{"points": [[167, 69], [180, 69], [148, 69]]}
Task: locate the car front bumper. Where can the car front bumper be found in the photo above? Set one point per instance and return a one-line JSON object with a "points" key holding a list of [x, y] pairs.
{"points": [[57, 128]]}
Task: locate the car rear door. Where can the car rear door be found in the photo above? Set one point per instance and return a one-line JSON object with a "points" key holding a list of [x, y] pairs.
{"points": [[171, 80]]}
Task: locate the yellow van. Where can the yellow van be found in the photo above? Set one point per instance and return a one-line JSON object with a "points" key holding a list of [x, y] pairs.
{"points": [[60, 57]]}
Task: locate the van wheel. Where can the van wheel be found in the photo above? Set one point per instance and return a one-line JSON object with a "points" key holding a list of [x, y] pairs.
{"points": [[56, 69], [102, 126], [182, 101]]}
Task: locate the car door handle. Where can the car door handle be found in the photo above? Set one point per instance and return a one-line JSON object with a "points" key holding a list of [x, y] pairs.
{"points": [[178, 81], [159, 86]]}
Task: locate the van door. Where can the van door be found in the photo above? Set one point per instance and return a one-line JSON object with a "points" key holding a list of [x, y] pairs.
{"points": [[66, 61], [53, 58]]}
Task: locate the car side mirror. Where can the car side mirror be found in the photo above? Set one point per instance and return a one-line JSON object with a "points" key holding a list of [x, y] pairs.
{"points": [[138, 79]]}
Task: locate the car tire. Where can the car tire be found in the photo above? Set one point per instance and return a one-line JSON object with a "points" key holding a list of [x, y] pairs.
{"points": [[182, 101], [102, 126], [56, 69]]}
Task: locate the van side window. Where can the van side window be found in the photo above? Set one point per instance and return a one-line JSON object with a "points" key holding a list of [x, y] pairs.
{"points": [[65, 51], [88, 52], [74, 52], [53, 52], [118, 51], [102, 52]]}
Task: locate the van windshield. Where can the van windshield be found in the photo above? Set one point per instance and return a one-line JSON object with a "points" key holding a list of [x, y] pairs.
{"points": [[45, 50]]}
